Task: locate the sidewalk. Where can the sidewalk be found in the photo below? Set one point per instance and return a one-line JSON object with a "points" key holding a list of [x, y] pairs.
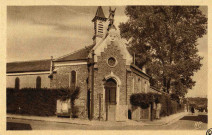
{"points": [[166, 120], [163, 121], [50, 119], [73, 121]]}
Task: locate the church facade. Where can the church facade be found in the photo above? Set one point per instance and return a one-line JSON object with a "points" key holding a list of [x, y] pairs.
{"points": [[104, 71]]}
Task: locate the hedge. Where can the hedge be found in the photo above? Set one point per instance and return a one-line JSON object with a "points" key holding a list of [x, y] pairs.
{"points": [[144, 99], [168, 107], [40, 102]]}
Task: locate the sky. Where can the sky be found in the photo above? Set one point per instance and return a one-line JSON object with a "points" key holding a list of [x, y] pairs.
{"points": [[39, 32]]}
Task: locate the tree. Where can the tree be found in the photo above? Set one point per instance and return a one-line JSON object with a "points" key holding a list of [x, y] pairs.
{"points": [[164, 39]]}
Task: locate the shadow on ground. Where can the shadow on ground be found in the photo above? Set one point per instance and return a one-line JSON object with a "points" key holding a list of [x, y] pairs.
{"points": [[202, 118], [18, 126]]}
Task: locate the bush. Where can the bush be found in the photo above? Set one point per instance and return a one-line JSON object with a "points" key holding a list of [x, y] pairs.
{"points": [[175, 97], [144, 99], [41, 102], [164, 105], [168, 106], [173, 106]]}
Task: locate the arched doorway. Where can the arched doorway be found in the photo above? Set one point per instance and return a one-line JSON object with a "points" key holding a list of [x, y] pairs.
{"points": [[110, 99]]}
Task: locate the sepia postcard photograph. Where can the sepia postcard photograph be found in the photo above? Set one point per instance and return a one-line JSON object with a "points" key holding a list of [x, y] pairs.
{"points": [[123, 67]]}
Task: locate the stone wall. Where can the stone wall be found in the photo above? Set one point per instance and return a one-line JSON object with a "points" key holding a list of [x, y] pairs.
{"points": [[139, 114], [130, 86], [136, 84], [141, 85], [28, 81], [102, 70], [124, 73], [62, 78]]}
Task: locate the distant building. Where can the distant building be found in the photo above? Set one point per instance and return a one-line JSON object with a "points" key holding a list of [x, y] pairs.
{"points": [[104, 71]]}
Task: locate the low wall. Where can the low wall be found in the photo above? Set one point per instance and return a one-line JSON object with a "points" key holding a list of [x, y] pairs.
{"points": [[140, 114]]}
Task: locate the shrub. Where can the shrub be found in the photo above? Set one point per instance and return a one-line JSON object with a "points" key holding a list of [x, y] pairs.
{"points": [[163, 111], [175, 97], [144, 99], [173, 106], [41, 102], [168, 106]]}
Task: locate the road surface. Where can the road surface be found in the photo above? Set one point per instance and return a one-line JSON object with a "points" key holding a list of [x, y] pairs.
{"points": [[189, 122]]}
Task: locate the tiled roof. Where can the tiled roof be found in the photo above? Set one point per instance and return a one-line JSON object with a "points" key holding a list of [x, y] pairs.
{"points": [[81, 54], [44, 65], [140, 70], [28, 66]]}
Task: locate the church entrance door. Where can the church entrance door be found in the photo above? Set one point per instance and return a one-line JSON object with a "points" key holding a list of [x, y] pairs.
{"points": [[110, 99]]}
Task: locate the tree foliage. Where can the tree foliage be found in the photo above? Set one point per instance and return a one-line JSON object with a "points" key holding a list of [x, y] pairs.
{"points": [[164, 39]]}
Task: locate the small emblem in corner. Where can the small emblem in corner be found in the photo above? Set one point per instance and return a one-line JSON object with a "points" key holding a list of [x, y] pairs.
{"points": [[209, 131]]}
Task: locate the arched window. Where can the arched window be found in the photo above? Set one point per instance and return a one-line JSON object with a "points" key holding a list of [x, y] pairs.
{"points": [[73, 79], [17, 83], [38, 82]]}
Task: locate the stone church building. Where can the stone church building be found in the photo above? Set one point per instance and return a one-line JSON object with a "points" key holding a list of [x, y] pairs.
{"points": [[104, 71]]}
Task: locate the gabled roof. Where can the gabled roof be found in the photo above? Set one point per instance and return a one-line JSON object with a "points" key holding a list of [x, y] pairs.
{"points": [[140, 70], [29, 66], [44, 65], [81, 54]]}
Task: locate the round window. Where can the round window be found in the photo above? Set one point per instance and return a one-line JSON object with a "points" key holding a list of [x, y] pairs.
{"points": [[111, 61]]}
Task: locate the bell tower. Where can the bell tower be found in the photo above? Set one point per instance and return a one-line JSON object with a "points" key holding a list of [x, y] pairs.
{"points": [[99, 25]]}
